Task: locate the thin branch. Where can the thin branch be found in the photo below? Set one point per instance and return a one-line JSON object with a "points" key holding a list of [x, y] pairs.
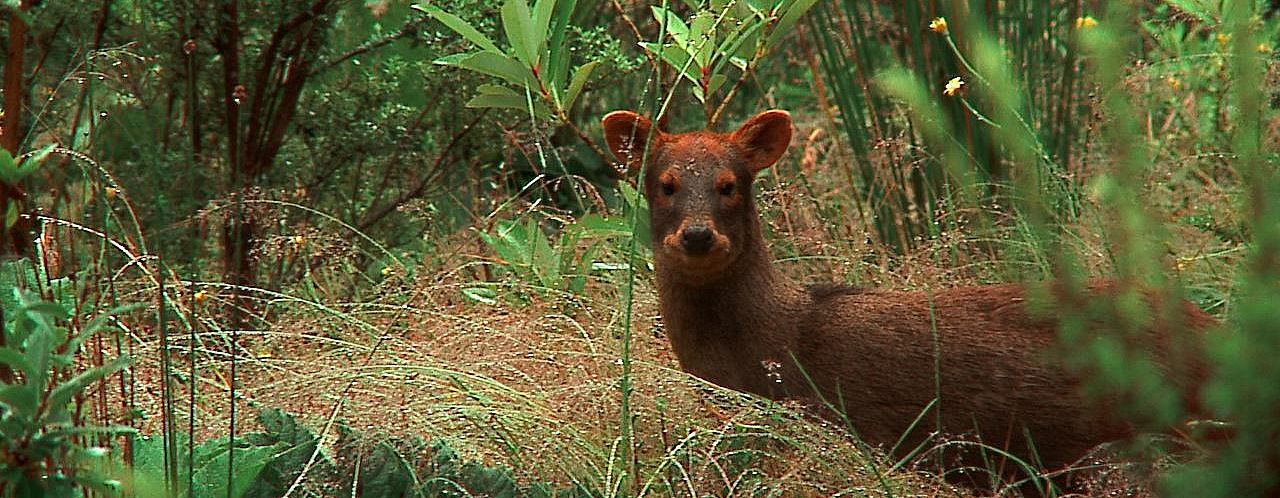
{"points": [[416, 191], [409, 27]]}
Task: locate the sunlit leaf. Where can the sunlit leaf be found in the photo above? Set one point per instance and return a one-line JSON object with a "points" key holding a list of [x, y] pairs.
{"points": [[518, 23], [492, 64], [542, 11], [459, 26], [673, 25], [580, 78], [788, 20], [501, 97], [676, 57], [702, 38]]}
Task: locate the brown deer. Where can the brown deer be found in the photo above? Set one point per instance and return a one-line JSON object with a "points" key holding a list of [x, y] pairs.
{"points": [[973, 360]]}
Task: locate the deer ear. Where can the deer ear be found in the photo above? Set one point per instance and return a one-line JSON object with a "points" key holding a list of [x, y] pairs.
{"points": [[764, 138], [627, 134]]}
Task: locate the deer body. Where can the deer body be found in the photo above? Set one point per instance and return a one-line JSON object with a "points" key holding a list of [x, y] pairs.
{"points": [[881, 357]]}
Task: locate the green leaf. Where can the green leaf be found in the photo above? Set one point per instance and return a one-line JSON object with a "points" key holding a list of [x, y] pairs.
{"points": [[788, 20], [702, 38], [491, 64], [15, 359], [8, 167], [28, 163], [498, 96], [675, 57], [23, 399], [501, 97], [673, 25], [459, 26], [580, 78], [715, 82], [249, 464], [556, 70], [518, 23], [483, 295], [542, 10], [62, 394], [728, 50]]}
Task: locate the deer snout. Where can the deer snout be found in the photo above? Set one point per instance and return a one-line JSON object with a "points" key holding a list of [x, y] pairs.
{"points": [[696, 239]]}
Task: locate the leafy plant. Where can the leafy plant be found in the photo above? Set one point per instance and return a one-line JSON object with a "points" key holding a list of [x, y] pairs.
{"points": [[530, 257], [535, 65], [564, 264], [43, 451], [390, 471], [721, 34], [265, 463]]}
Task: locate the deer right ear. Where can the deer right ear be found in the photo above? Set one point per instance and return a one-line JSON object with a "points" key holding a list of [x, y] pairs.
{"points": [[764, 138], [627, 134]]}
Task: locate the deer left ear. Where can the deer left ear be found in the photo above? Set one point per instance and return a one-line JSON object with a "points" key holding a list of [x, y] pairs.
{"points": [[764, 138]]}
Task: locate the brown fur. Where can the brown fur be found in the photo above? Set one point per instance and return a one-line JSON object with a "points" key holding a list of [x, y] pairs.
{"points": [[734, 320]]}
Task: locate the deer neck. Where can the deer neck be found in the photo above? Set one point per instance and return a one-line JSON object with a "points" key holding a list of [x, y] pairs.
{"points": [[729, 329]]}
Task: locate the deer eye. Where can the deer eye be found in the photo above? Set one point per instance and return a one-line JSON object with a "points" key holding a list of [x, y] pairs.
{"points": [[668, 188], [726, 189]]}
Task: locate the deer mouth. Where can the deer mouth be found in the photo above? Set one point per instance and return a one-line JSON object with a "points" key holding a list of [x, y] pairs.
{"points": [[696, 251]]}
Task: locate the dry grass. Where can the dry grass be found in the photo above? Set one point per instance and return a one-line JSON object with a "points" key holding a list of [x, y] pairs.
{"points": [[535, 386]]}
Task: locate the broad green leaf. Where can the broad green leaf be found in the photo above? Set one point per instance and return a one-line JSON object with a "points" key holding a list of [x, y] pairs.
{"points": [[15, 359], [595, 225], [697, 93], [736, 41], [501, 97], [546, 263], [556, 71], [715, 82], [8, 167], [702, 37], [23, 399], [459, 26], [249, 463], [673, 25], [788, 20], [39, 351], [580, 78], [518, 24], [491, 64], [676, 57], [542, 10]]}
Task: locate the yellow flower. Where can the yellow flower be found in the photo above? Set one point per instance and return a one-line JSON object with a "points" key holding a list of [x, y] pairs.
{"points": [[954, 86], [386, 271], [112, 192], [1174, 83], [1086, 22], [938, 25], [1264, 48], [201, 297], [1223, 39], [298, 240]]}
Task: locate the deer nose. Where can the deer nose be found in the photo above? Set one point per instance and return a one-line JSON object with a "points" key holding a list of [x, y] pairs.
{"points": [[696, 239]]}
